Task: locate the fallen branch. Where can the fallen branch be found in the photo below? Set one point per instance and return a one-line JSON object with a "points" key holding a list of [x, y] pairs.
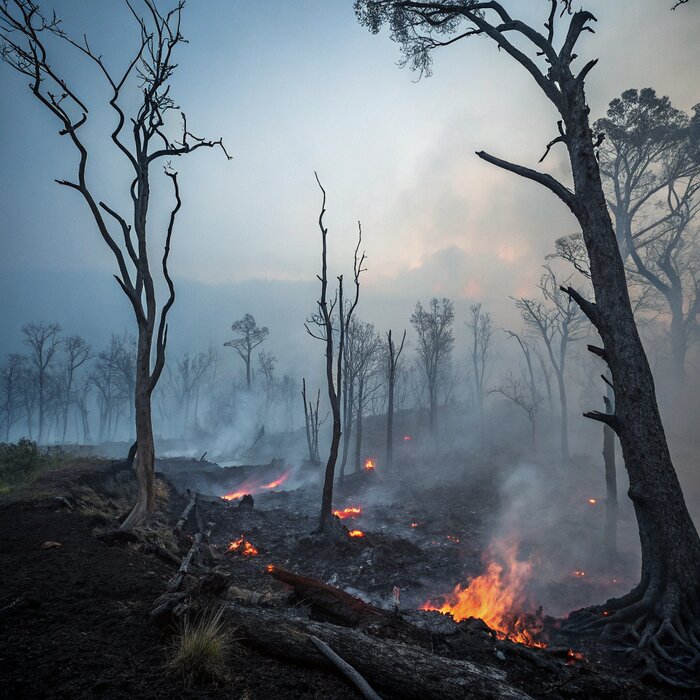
{"points": [[346, 669], [186, 513], [333, 603]]}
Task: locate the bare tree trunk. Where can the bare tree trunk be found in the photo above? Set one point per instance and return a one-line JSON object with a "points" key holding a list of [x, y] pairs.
{"points": [[358, 424], [564, 422], [145, 449], [611, 507], [390, 424], [348, 401]]}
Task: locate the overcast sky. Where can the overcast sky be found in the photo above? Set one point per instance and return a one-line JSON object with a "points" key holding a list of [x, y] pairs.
{"points": [[297, 86]]}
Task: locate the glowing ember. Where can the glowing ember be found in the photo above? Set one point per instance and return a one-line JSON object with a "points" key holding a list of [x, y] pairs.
{"points": [[270, 568], [407, 438], [356, 533], [573, 656], [244, 547], [592, 501], [498, 597], [253, 486], [348, 512], [370, 465], [415, 524], [578, 573], [452, 538]]}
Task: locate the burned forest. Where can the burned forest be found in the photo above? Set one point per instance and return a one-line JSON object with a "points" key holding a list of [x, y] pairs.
{"points": [[350, 349]]}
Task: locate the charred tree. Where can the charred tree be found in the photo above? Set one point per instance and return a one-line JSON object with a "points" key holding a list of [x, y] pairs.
{"points": [[333, 318], [479, 324], [28, 41], [250, 335], [393, 355], [661, 615], [435, 340], [311, 423], [611, 505]]}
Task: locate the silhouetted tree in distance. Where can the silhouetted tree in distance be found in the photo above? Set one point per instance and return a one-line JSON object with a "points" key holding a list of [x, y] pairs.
{"points": [[250, 335]]}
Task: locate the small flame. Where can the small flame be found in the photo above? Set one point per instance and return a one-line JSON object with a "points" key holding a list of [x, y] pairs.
{"points": [[352, 512], [578, 573], [244, 547], [415, 524], [252, 486], [592, 501], [270, 568], [370, 465], [356, 533], [573, 656]]}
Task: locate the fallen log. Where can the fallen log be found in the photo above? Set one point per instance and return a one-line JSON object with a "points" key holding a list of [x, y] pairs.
{"points": [[394, 668], [176, 581], [332, 603]]}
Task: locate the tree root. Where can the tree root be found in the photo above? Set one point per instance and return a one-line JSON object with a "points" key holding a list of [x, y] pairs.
{"points": [[655, 629]]}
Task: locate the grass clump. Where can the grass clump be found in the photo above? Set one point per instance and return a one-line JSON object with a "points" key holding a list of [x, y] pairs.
{"points": [[201, 650]]}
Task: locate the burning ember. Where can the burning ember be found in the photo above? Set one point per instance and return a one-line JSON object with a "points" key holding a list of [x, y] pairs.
{"points": [[407, 438], [370, 465], [415, 524], [573, 656], [452, 538], [356, 533], [244, 547], [253, 486], [578, 573], [592, 501], [348, 512], [498, 597]]}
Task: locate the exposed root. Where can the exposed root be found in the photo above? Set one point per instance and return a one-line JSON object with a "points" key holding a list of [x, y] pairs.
{"points": [[655, 629]]}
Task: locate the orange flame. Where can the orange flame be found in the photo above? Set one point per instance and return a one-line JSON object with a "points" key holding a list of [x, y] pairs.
{"points": [[351, 512], [498, 597], [246, 548], [270, 568], [253, 486], [356, 533], [592, 501], [369, 465]]}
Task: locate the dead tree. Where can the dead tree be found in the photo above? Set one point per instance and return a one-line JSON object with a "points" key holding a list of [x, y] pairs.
{"points": [[312, 423], [44, 343], [332, 317], [661, 615], [435, 340], [28, 41], [479, 324], [515, 390], [77, 352], [651, 175], [250, 335], [393, 355], [535, 396], [557, 320], [11, 389]]}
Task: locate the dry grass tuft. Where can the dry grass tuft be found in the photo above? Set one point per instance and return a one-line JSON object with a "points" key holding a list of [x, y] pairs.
{"points": [[201, 650]]}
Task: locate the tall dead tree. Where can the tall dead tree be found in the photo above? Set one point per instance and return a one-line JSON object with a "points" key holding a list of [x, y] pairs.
{"points": [[479, 324], [44, 342], [77, 352], [393, 355], [29, 40], [250, 335], [11, 389], [650, 163], [557, 320], [333, 318], [435, 340], [611, 505], [661, 615], [311, 423]]}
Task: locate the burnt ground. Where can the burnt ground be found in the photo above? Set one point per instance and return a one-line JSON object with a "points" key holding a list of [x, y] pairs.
{"points": [[74, 620]]}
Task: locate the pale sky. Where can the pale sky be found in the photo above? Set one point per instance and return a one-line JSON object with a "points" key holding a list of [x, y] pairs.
{"points": [[297, 86]]}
